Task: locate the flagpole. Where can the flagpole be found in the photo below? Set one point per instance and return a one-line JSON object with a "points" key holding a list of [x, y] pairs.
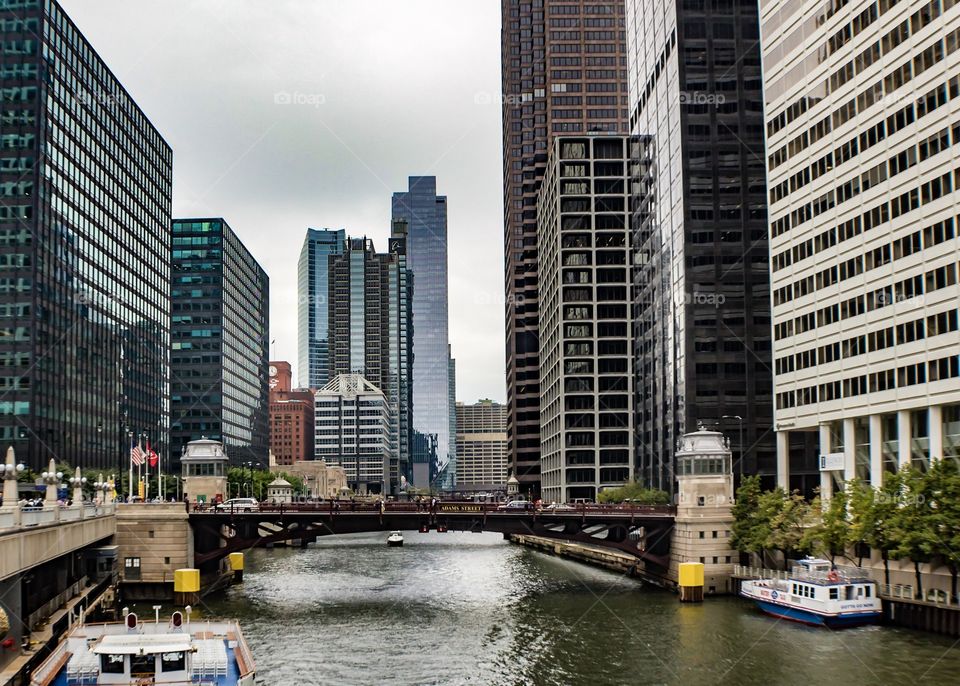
{"points": [[130, 482]]}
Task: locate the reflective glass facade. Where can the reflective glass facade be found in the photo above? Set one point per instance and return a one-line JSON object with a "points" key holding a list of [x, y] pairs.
{"points": [[370, 312], [313, 337], [84, 251], [702, 329], [220, 331], [564, 71], [425, 214]]}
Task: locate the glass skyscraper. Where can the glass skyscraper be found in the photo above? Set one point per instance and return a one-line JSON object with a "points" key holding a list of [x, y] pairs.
{"points": [[370, 311], [84, 251], [220, 331], [313, 336], [702, 329], [425, 214]]}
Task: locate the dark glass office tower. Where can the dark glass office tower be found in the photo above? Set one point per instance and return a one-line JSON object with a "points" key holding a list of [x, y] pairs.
{"points": [[425, 214], [313, 338], [702, 326], [564, 71], [84, 261], [220, 327], [370, 310]]}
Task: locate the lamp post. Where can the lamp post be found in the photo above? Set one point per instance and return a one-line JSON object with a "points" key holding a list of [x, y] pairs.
{"points": [[78, 482], [9, 472], [740, 448], [101, 487]]}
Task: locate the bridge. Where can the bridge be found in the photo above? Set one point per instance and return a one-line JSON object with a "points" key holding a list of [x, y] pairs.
{"points": [[642, 531]]}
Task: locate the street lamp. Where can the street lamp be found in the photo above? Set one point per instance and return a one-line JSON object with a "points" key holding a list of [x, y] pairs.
{"points": [[740, 448]]}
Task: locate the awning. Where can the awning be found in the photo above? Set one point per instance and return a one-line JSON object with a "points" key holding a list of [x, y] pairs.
{"points": [[143, 644]]}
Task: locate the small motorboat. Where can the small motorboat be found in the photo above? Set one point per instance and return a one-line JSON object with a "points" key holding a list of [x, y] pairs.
{"points": [[815, 592], [395, 540]]}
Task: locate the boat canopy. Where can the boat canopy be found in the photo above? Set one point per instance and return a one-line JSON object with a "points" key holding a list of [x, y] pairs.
{"points": [[140, 644]]}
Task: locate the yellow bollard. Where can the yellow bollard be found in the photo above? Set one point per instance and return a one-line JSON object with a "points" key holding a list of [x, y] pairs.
{"points": [[236, 564], [186, 586], [691, 582]]}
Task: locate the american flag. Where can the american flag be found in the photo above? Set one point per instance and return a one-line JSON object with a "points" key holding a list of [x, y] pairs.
{"points": [[137, 455]]}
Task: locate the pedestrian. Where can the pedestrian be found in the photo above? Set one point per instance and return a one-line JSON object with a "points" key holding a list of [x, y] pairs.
{"points": [[383, 506]]}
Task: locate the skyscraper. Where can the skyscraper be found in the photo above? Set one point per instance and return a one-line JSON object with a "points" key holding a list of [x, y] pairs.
{"points": [[220, 337], [862, 117], [313, 336], [564, 70], [370, 331], [425, 214], [586, 365], [481, 444], [702, 296], [84, 245]]}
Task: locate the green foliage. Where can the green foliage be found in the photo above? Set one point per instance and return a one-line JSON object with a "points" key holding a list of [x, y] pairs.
{"points": [[750, 531], [830, 536], [243, 483], [635, 493]]}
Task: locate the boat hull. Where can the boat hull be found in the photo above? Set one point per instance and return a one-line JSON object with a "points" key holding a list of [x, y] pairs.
{"points": [[395, 544], [795, 614]]}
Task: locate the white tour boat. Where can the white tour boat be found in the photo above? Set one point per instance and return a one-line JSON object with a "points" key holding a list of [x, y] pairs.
{"points": [[815, 592], [395, 540], [132, 652]]}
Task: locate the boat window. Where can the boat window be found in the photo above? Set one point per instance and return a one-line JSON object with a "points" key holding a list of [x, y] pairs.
{"points": [[834, 594], [866, 591], [172, 662], [111, 664], [859, 591], [795, 589], [848, 592], [143, 665]]}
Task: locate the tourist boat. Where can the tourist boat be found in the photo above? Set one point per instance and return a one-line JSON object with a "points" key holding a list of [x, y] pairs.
{"points": [[395, 540], [131, 652], [817, 593]]}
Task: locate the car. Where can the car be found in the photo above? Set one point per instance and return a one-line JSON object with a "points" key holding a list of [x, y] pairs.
{"points": [[516, 505], [554, 507], [238, 505]]}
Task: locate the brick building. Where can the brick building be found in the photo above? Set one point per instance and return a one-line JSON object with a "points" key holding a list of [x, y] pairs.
{"points": [[291, 417]]}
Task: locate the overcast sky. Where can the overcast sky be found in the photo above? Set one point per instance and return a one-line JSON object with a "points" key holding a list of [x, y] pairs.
{"points": [[284, 114]]}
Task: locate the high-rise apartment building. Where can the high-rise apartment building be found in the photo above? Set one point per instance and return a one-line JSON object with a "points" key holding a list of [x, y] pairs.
{"points": [[481, 444], [313, 282], [370, 333], [586, 361], [702, 325], [291, 417], [862, 125], [354, 429], [564, 71], [220, 332], [425, 215], [84, 244]]}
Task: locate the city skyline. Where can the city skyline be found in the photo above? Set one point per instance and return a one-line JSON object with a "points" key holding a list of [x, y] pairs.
{"points": [[355, 128]]}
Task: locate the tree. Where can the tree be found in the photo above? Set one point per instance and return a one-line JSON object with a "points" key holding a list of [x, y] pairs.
{"points": [[830, 535], [791, 515], [749, 532], [634, 492], [862, 510], [910, 525], [885, 503], [942, 487]]}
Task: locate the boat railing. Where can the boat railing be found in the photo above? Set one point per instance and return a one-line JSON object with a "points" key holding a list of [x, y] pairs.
{"points": [[840, 574], [759, 572], [47, 672]]}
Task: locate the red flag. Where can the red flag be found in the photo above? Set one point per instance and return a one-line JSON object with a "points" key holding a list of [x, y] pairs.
{"points": [[152, 455]]}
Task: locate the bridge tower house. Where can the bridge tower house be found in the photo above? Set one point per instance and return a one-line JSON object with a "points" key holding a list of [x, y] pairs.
{"points": [[704, 498]]}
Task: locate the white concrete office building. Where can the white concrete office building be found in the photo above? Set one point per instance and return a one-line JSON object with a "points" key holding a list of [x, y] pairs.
{"points": [[352, 429], [481, 443], [862, 106], [586, 366]]}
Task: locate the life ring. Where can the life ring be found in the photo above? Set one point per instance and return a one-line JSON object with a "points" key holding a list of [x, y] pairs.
{"points": [[833, 576]]}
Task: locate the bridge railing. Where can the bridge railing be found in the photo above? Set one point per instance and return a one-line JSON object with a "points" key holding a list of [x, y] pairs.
{"points": [[441, 507], [20, 517]]}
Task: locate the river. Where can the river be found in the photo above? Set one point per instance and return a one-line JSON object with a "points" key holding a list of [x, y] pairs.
{"points": [[460, 608]]}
